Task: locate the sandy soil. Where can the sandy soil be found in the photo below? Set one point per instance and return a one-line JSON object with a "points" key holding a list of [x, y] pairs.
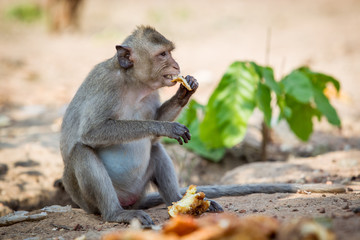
{"points": [[40, 73]]}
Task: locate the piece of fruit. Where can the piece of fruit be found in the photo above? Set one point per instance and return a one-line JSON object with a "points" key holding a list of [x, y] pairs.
{"points": [[192, 203], [183, 81]]}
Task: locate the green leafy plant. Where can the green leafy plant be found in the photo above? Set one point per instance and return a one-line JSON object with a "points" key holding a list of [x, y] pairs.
{"points": [[25, 12], [222, 123]]}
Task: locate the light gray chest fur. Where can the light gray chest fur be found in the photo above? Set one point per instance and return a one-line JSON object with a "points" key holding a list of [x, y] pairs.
{"points": [[127, 163]]}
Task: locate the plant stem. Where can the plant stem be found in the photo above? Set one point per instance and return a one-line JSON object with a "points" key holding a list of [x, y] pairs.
{"points": [[265, 140]]}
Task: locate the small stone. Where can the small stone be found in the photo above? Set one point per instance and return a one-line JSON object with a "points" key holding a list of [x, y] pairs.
{"points": [[3, 169], [356, 210], [78, 227], [242, 211], [321, 210], [5, 121], [295, 210], [57, 208], [350, 189]]}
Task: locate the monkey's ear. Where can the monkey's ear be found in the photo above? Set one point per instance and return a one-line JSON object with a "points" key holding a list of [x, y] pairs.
{"points": [[124, 56]]}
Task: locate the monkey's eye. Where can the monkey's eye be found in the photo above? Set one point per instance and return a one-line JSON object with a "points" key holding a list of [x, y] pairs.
{"points": [[163, 54]]}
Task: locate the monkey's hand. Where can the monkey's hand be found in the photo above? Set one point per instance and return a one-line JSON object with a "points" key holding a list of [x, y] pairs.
{"points": [[177, 131], [183, 95]]}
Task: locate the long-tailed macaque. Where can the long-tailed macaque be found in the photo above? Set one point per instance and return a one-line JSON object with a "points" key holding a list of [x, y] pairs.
{"points": [[110, 133]]}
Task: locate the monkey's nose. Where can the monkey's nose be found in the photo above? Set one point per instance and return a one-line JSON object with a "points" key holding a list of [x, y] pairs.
{"points": [[176, 66]]}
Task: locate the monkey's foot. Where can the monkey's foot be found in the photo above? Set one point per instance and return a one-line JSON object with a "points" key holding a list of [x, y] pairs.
{"points": [[125, 216], [215, 207]]}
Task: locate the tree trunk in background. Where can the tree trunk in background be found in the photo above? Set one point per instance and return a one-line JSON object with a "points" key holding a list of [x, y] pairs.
{"points": [[63, 14]]}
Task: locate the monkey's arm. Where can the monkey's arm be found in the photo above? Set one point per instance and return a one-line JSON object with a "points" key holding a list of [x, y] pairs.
{"points": [[170, 109], [110, 131]]}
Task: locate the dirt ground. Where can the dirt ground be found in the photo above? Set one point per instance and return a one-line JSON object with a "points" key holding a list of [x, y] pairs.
{"points": [[40, 72]]}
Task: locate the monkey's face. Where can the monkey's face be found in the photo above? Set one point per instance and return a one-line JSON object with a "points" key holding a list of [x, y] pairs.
{"points": [[165, 68], [156, 69], [147, 55]]}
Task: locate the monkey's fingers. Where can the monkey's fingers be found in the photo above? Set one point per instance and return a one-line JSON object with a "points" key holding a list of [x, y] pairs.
{"points": [[125, 216], [185, 139], [188, 135], [179, 140], [145, 220], [192, 82]]}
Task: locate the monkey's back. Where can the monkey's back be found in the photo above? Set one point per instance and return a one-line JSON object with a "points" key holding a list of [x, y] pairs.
{"points": [[84, 107]]}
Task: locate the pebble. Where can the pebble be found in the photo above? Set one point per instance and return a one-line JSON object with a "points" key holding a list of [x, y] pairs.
{"points": [[5, 121], [321, 210], [57, 208], [3, 168], [20, 216]]}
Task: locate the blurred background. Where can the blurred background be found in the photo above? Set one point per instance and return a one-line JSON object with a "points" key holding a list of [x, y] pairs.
{"points": [[47, 47]]}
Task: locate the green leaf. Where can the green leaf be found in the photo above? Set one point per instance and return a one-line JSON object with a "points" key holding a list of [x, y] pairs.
{"points": [[298, 85], [300, 120], [190, 113], [324, 106], [263, 99], [25, 12], [230, 106], [320, 80], [267, 74], [190, 117], [199, 147]]}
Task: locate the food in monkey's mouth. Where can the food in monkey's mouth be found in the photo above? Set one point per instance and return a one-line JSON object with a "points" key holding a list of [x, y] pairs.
{"points": [[192, 203], [183, 81]]}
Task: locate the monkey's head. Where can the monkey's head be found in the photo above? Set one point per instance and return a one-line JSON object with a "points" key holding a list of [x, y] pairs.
{"points": [[147, 55]]}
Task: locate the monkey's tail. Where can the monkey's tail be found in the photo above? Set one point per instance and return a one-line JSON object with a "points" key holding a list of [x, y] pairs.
{"points": [[246, 189], [215, 191]]}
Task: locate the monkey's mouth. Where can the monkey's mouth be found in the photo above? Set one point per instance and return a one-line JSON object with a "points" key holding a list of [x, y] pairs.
{"points": [[169, 78]]}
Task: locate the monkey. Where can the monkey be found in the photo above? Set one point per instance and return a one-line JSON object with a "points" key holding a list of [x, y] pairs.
{"points": [[111, 130]]}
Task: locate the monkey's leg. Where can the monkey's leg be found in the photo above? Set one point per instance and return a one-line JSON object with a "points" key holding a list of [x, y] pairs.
{"points": [[164, 175], [166, 181], [91, 188]]}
